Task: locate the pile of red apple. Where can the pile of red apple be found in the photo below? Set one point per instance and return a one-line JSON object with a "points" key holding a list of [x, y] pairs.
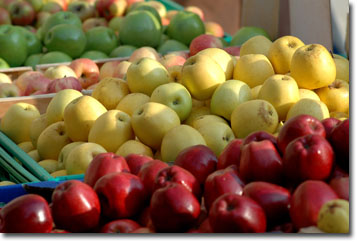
{"points": [[258, 184]]}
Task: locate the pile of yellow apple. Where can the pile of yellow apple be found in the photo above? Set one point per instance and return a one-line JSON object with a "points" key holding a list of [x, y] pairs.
{"points": [[214, 98]]}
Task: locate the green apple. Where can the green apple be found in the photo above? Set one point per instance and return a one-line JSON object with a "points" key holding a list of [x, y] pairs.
{"points": [[33, 60], [171, 45], [36, 4], [146, 7], [61, 18], [122, 51], [134, 32], [13, 48], [185, 26], [94, 55], [66, 38], [102, 39], [3, 64], [33, 44], [115, 24], [55, 57], [228, 96], [245, 33], [163, 38], [175, 96]]}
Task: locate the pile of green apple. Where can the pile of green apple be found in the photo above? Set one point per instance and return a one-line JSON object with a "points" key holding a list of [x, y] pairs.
{"points": [[39, 32]]}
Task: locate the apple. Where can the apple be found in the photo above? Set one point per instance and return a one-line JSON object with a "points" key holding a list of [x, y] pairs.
{"points": [[101, 39], [9, 90], [121, 69], [17, 121], [83, 10], [230, 155], [13, 46], [175, 73], [111, 130], [145, 74], [204, 41], [307, 200], [220, 182], [260, 136], [335, 96], [131, 102], [342, 67], [308, 157], [37, 126], [108, 69], [49, 165], [233, 50], [134, 147], [341, 186], [171, 45], [51, 7], [64, 83], [312, 66], [4, 16], [3, 65], [122, 195], [245, 33], [115, 24], [214, 28], [80, 115], [4, 78], [122, 51], [333, 217], [340, 142], [171, 59], [33, 44], [21, 12], [177, 174], [144, 52], [148, 173], [207, 119], [65, 151], [120, 226], [62, 17], [136, 161], [111, 8], [55, 57], [309, 106], [233, 213], [103, 164], [228, 96], [36, 4], [75, 206], [59, 71], [173, 208], [34, 212], [94, 22], [258, 44], [329, 124], [305, 93], [201, 75], [86, 71]]}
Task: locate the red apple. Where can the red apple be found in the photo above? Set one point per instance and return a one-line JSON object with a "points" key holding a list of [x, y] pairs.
{"points": [[32, 81], [338, 172], [64, 83], [121, 194], [274, 199], [221, 182], [341, 186], [144, 217], [173, 208], [26, 214], [120, 226], [203, 42], [214, 28], [233, 50], [86, 71], [260, 161], [104, 164], [299, 126], [75, 206], [307, 200], [135, 162], [108, 69], [111, 8], [52, 7], [233, 213], [176, 174], [329, 124], [4, 16], [309, 157], [172, 60], [230, 155], [205, 226], [260, 136], [199, 160], [148, 172], [340, 143], [21, 12]]}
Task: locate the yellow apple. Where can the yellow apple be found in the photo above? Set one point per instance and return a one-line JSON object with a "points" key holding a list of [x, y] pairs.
{"points": [[52, 140], [34, 154], [281, 91], [64, 153], [258, 44], [195, 113], [312, 66], [121, 69], [81, 156], [339, 115], [197, 103], [4, 78], [60, 71], [205, 119], [134, 147], [255, 92], [111, 130], [59, 173], [145, 74], [131, 102], [175, 96], [17, 121], [217, 135], [335, 96], [221, 57], [309, 106], [49, 165], [253, 69], [110, 91], [108, 69], [79, 116], [175, 73], [6, 183], [254, 115], [281, 52], [26, 146], [144, 52], [305, 93], [37, 126], [57, 105], [228, 96], [201, 75], [177, 139], [342, 67], [151, 121]]}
